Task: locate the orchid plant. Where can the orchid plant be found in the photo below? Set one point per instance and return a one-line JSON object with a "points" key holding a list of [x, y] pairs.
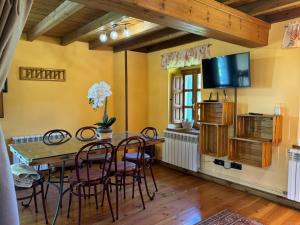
{"points": [[97, 95]]}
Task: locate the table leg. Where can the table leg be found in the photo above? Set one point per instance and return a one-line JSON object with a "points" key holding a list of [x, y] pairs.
{"points": [[61, 190]]}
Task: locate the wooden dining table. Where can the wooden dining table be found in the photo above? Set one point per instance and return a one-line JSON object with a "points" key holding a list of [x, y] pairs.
{"points": [[38, 153]]}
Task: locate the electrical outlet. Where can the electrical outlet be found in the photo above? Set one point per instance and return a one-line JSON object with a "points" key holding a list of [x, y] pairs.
{"points": [[236, 166], [219, 162]]}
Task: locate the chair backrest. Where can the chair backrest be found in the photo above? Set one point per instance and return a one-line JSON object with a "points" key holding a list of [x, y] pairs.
{"points": [[135, 142], [87, 133], [99, 147], [56, 137], [149, 132]]}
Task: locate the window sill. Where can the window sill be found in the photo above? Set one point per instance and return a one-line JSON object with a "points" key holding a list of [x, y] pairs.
{"points": [[181, 130]]}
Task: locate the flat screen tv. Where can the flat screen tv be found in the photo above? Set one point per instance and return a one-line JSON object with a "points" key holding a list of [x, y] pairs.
{"points": [[227, 71]]}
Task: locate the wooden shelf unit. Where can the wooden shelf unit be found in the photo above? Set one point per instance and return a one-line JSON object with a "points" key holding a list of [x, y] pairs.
{"points": [[264, 127], [251, 152], [214, 140], [255, 136], [215, 112]]}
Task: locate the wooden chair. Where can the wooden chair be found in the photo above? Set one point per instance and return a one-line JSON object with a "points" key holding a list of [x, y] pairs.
{"points": [[34, 194], [57, 137], [86, 176], [123, 169], [87, 133], [148, 132]]}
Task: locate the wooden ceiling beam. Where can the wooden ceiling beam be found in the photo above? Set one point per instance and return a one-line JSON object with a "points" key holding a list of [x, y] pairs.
{"points": [[92, 27], [135, 30], [63, 11], [188, 38], [202, 17], [150, 39], [266, 7], [281, 15]]}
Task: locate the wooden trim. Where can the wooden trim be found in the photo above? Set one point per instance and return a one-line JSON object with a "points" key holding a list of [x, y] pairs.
{"points": [[126, 90], [240, 187], [91, 28], [188, 38], [63, 11], [150, 39], [203, 17], [265, 7]]}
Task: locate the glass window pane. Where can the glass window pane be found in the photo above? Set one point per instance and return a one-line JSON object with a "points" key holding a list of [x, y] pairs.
{"points": [[188, 114], [188, 81], [199, 81], [188, 98], [198, 96]]}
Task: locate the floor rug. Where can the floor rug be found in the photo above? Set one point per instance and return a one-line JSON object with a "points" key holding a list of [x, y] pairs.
{"points": [[226, 217]]}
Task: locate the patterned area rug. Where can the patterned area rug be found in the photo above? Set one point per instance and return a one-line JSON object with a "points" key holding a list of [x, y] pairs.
{"points": [[227, 217]]}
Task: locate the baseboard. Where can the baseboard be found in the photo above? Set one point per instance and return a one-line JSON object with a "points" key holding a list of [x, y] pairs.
{"points": [[272, 197]]}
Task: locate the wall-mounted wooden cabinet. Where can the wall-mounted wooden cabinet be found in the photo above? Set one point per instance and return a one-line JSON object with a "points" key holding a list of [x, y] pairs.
{"points": [[214, 119], [215, 112], [260, 127], [251, 152], [255, 136], [214, 140]]}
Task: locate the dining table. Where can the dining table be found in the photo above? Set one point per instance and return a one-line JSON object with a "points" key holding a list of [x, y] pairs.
{"points": [[37, 153]]}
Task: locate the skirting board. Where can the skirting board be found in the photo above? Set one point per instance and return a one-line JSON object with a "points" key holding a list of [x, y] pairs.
{"points": [[269, 196]]}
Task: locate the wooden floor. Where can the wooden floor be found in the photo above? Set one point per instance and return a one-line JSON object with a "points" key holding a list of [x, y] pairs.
{"points": [[182, 199]]}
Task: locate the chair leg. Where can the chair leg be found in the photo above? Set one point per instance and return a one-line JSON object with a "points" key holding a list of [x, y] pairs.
{"points": [[140, 190], [109, 201], [84, 194], [70, 201], [124, 186], [61, 175], [44, 203], [133, 185], [103, 194], [34, 199], [79, 204], [96, 196], [152, 175], [49, 180], [117, 198]]}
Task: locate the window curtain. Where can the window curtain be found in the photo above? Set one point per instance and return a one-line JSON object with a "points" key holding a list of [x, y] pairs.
{"points": [[13, 15], [291, 37], [186, 57]]}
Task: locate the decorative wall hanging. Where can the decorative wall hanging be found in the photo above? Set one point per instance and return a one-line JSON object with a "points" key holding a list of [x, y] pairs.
{"points": [[291, 37], [186, 57], [41, 74]]}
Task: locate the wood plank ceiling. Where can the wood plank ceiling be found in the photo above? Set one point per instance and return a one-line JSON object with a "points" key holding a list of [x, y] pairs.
{"points": [[70, 21]]}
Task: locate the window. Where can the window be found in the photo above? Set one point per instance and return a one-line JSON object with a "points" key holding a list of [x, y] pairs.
{"points": [[185, 92]]}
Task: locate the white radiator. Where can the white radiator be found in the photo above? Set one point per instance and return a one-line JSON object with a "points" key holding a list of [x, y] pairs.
{"points": [[181, 150], [294, 175]]}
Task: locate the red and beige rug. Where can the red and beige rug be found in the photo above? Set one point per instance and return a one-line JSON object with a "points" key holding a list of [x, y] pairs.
{"points": [[227, 217]]}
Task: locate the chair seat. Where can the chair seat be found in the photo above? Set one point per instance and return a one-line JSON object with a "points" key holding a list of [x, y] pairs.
{"points": [[95, 174], [133, 156], [120, 166]]}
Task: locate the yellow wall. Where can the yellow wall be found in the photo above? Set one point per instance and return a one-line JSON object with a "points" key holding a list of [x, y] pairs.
{"points": [[275, 79], [33, 107]]}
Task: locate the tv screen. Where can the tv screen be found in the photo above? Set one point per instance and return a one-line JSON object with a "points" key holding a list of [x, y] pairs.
{"points": [[227, 71]]}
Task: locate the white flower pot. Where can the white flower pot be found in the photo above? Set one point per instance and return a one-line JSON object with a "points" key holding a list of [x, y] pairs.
{"points": [[103, 134]]}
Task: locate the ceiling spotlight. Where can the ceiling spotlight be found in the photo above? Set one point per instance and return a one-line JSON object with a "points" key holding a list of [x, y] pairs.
{"points": [[114, 35], [103, 37], [126, 31]]}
